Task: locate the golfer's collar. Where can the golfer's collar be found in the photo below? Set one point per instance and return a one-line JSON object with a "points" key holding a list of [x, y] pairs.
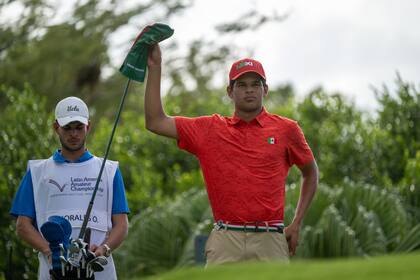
{"points": [[260, 119], [58, 157]]}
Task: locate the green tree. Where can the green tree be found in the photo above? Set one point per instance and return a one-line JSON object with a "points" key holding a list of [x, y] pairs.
{"points": [[399, 116], [410, 185], [68, 58], [25, 133], [398, 145], [339, 136]]}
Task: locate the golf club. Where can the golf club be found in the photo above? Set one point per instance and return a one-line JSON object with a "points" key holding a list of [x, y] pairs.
{"points": [[75, 246]]}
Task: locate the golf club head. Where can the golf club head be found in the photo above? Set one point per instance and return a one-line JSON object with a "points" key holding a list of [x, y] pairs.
{"points": [[96, 266], [75, 253], [74, 259], [89, 255], [102, 260]]}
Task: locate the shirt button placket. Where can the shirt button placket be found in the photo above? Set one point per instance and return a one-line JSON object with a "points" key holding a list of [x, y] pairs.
{"points": [[246, 129]]}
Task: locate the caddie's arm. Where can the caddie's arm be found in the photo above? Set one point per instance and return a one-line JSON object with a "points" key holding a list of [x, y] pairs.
{"points": [[116, 235], [156, 119], [27, 232], [310, 182]]}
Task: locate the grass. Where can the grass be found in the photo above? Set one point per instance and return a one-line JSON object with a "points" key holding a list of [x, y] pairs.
{"points": [[395, 267]]}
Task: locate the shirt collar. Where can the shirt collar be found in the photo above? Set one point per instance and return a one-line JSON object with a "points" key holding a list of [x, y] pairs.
{"points": [[58, 157], [235, 120], [260, 119]]}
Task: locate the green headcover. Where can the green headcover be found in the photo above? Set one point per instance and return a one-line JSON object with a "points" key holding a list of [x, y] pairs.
{"points": [[135, 63]]}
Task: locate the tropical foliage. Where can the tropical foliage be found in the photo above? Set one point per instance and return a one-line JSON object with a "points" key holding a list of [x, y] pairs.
{"points": [[25, 133], [349, 220], [368, 202]]}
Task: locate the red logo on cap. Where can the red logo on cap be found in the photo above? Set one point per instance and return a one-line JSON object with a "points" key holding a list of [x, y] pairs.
{"points": [[246, 65]]}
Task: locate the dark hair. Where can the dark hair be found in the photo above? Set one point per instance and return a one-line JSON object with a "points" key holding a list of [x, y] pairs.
{"points": [[232, 82]]}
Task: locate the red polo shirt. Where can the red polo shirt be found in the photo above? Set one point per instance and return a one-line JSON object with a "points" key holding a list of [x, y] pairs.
{"points": [[245, 165]]}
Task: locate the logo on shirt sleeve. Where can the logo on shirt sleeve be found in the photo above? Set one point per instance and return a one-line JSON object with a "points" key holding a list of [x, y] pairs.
{"points": [[272, 140]]}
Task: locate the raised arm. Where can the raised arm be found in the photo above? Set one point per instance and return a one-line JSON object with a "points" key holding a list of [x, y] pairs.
{"points": [[156, 119]]}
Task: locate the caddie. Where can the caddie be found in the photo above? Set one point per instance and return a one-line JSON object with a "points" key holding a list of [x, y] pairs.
{"points": [[62, 185]]}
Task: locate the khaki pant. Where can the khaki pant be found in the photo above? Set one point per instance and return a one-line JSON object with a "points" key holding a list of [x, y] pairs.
{"points": [[227, 246]]}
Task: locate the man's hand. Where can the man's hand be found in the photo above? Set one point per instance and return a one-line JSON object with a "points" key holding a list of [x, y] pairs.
{"points": [[292, 237], [155, 56], [25, 229], [98, 250], [47, 253], [116, 236]]}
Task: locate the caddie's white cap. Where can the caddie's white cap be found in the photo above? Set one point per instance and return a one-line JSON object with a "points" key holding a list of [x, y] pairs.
{"points": [[71, 109]]}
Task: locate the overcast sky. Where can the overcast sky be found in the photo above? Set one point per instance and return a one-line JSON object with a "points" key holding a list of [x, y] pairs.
{"points": [[345, 46]]}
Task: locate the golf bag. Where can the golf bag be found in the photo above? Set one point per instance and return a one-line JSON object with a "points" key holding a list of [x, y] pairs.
{"points": [[67, 264]]}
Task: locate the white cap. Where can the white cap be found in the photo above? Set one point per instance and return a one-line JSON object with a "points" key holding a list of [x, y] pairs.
{"points": [[71, 109]]}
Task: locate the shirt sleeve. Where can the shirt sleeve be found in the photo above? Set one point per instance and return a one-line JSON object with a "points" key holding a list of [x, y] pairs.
{"points": [[23, 203], [298, 150], [191, 132], [119, 199]]}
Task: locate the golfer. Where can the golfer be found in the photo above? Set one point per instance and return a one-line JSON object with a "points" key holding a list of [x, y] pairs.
{"points": [[245, 160], [63, 185]]}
